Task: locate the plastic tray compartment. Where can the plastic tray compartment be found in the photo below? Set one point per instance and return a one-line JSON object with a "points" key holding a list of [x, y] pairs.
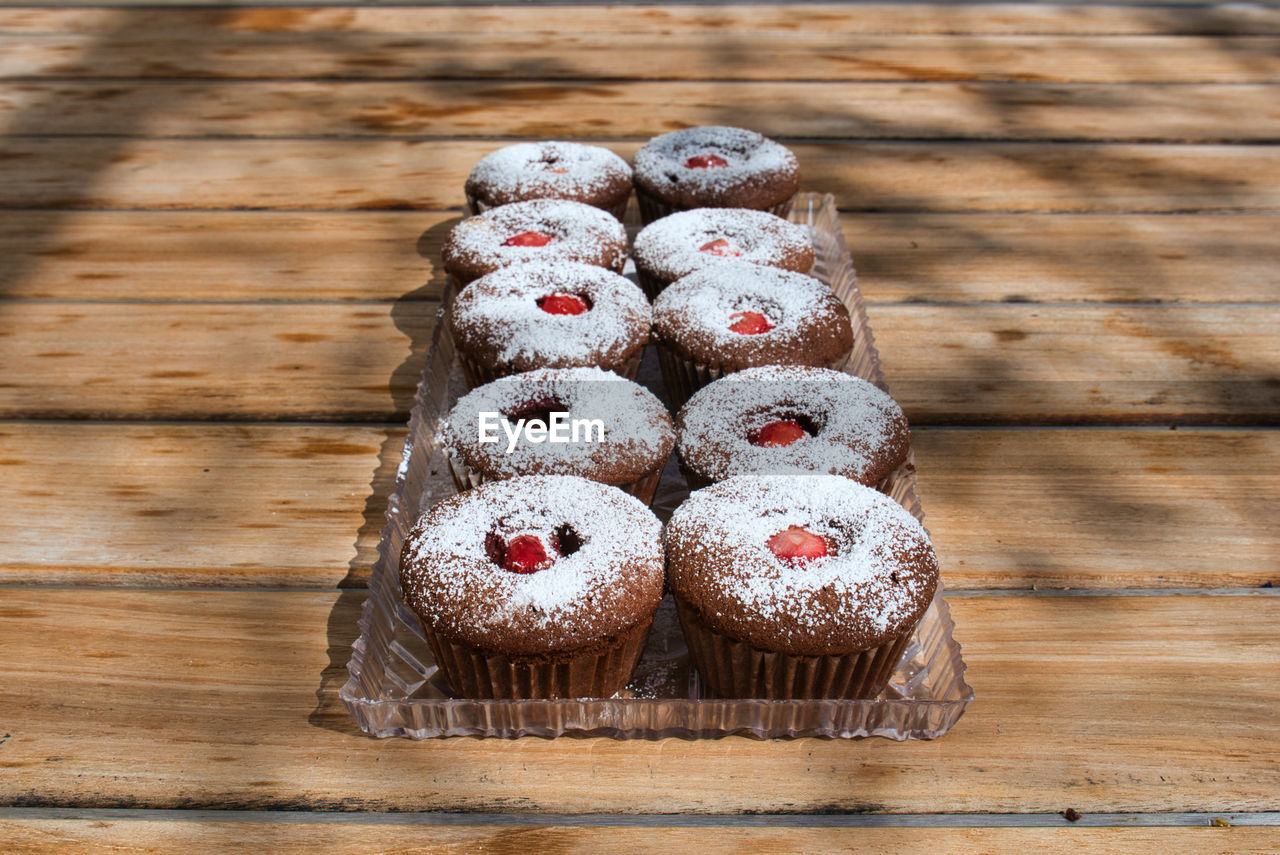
{"points": [[390, 691]]}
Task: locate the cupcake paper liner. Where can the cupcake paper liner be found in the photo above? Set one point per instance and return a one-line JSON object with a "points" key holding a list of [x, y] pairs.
{"points": [[686, 376], [477, 374], [734, 669], [652, 208], [619, 209], [465, 478], [598, 672]]}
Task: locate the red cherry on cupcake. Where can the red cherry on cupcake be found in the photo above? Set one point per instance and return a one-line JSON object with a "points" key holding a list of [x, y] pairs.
{"points": [[526, 554], [749, 323], [796, 545], [777, 434], [705, 161], [528, 239], [562, 304], [719, 247]]}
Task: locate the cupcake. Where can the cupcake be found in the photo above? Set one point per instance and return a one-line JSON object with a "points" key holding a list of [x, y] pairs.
{"points": [[738, 315], [541, 230], [582, 421], [788, 419], [535, 587], [550, 170], [554, 314], [714, 167], [681, 243], [797, 586]]}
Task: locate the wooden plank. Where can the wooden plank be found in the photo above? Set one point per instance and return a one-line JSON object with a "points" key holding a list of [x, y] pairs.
{"points": [[551, 109], [246, 361], [1065, 258], [67, 837], [229, 699], [225, 255], [987, 363], [1006, 508], [111, 172], [234, 505], [1041, 18]]}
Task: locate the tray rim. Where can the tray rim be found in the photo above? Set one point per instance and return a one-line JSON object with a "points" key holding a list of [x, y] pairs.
{"points": [[807, 205]]}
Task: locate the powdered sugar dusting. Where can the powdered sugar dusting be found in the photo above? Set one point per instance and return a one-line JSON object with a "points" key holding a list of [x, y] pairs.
{"points": [[670, 247], [858, 430], [751, 160], [877, 583], [498, 316], [612, 581], [549, 170], [638, 432], [579, 233]]}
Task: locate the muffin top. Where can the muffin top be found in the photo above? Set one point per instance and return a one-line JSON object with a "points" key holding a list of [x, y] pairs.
{"points": [[737, 315], [792, 419], [538, 230], [555, 314], [801, 564], [681, 243], [550, 170], [637, 434], [717, 167], [534, 564]]}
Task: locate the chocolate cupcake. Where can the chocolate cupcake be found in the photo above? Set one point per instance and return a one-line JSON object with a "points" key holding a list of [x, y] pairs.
{"points": [[608, 429], [714, 167], [549, 315], [738, 315], [540, 230], [535, 587], [681, 243], [791, 420], [588, 174], [797, 586]]}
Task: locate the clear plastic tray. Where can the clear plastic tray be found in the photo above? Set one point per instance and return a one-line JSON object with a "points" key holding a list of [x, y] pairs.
{"points": [[391, 693]]}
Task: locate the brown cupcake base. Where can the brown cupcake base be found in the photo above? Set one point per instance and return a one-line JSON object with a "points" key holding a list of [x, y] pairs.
{"points": [[734, 669], [465, 478], [477, 374], [885, 485], [652, 208], [618, 209], [597, 672], [684, 376]]}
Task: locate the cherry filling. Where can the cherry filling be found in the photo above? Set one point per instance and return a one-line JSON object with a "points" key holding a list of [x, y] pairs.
{"points": [[749, 323], [526, 553], [548, 164], [705, 161], [777, 434], [563, 304], [539, 410], [720, 247], [796, 545], [529, 239]]}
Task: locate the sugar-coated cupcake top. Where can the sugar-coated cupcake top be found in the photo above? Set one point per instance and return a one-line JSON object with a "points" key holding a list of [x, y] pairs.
{"points": [[534, 564], [636, 427], [550, 170], [739, 314], [800, 564], [555, 314], [538, 230], [686, 241], [717, 167], [792, 419]]}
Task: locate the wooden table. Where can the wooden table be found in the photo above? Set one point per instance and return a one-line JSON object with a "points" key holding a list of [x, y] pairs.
{"points": [[218, 237]]}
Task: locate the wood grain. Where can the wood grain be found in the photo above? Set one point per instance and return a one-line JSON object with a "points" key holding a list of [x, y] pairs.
{"points": [[36, 837], [379, 174], [1026, 18], [909, 257], [551, 109], [287, 505], [602, 43], [228, 699], [988, 363]]}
